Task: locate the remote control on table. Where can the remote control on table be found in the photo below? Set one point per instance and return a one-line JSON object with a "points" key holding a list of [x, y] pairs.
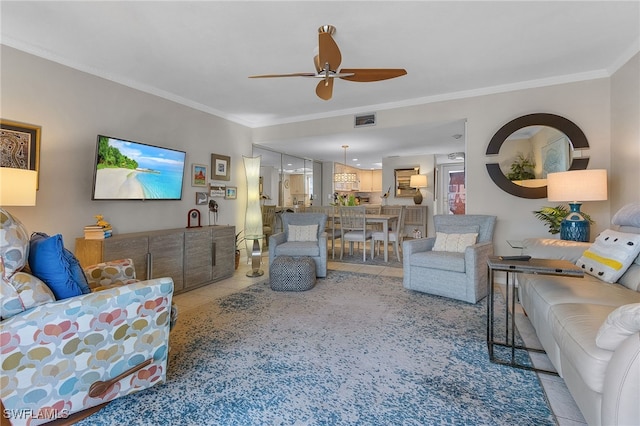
{"points": [[522, 257]]}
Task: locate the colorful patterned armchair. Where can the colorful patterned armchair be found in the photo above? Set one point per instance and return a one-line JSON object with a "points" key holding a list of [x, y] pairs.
{"points": [[55, 353]]}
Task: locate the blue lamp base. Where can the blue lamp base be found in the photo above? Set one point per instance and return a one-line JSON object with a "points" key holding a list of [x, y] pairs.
{"points": [[574, 227]]}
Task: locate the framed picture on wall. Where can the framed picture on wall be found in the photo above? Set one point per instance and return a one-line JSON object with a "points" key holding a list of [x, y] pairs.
{"points": [[231, 193], [217, 191], [20, 145], [199, 175], [220, 167], [201, 198]]}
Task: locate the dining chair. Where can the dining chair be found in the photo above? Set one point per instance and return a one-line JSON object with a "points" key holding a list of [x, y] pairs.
{"points": [[353, 228], [268, 222], [332, 227], [395, 233]]}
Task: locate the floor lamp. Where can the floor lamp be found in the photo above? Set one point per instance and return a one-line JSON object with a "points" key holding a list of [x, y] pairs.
{"points": [[573, 185], [253, 216]]}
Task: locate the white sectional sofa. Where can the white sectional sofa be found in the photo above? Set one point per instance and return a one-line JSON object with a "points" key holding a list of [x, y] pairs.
{"points": [[589, 328]]}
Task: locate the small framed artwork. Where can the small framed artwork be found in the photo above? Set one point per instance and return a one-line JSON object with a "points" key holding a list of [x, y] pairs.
{"points": [[231, 193], [220, 167], [201, 198], [20, 145], [217, 191], [199, 175]]}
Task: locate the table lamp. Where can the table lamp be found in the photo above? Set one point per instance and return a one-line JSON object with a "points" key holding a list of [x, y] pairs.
{"points": [[18, 187], [573, 185], [417, 182]]}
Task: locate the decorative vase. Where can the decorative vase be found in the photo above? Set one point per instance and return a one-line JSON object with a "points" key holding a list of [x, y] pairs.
{"points": [[575, 227], [237, 258], [417, 198]]}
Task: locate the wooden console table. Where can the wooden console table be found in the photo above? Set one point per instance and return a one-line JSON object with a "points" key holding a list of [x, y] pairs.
{"points": [[192, 257]]}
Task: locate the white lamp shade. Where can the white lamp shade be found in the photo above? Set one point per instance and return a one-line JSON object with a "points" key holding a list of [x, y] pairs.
{"points": [[577, 185], [418, 181], [18, 187], [253, 217]]}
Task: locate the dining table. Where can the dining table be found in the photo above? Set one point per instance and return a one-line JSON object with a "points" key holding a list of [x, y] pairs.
{"points": [[386, 220]]}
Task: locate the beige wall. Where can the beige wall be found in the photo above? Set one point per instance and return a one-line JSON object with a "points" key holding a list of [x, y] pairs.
{"points": [[585, 103], [625, 135], [73, 108]]}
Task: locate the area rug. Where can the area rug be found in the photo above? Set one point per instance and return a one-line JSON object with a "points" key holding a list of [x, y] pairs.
{"points": [[354, 350]]}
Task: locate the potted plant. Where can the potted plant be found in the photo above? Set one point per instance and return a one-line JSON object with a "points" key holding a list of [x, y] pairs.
{"points": [[522, 169], [239, 240], [552, 217]]}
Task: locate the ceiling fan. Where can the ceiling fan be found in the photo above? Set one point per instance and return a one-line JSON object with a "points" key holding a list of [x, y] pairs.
{"points": [[327, 62]]}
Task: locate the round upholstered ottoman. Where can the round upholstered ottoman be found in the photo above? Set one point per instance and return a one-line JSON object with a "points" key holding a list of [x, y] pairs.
{"points": [[288, 273]]}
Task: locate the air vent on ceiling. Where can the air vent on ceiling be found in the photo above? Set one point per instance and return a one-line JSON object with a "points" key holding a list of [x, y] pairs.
{"points": [[365, 120]]}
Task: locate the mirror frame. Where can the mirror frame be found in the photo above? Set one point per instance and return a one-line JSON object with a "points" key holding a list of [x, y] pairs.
{"points": [[575, 135]]}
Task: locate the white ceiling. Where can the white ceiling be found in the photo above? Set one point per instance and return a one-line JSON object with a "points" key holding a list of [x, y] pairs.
{"points": [[201, 53]]}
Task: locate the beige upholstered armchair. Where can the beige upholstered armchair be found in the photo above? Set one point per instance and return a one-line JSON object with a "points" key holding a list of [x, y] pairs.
{"points": [[454, 263], [61, 357]]}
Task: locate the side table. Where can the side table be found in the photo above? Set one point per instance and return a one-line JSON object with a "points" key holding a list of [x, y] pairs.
{"points": [[511, 267]]}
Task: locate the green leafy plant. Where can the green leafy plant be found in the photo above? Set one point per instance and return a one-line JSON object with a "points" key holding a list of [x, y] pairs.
{"points": [[239, 240], [522, 168], [552, 217]]}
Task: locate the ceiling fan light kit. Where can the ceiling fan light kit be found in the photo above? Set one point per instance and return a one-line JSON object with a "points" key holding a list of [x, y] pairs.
{"points": [[327, 62]]}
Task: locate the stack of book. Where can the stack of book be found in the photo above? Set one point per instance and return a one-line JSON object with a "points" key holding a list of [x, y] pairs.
{"points": [[96, 232]]}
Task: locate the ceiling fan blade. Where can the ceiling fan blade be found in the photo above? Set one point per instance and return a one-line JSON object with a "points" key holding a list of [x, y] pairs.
{"points": [[316, 63], [295, 74], [328, 52], [324, 89], [372, 74]]}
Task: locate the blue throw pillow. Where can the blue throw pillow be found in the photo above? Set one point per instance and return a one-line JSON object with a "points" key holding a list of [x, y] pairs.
{"points": [[56, 266]]}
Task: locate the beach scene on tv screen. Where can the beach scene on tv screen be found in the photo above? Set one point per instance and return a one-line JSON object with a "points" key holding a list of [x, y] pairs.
{"points": [[129, 170]]}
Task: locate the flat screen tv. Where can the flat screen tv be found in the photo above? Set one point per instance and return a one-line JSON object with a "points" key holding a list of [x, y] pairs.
{"points": [[126, 170]]}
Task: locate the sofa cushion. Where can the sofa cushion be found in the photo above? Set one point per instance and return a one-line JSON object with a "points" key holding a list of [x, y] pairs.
{"points": [[610, 255], [439, 260], [574, 327], [456, 243], [552, 290], [303, 232], [620, 324], [22, 293], [14, 244], [631, 278], [56, 266], [552, 248], [628, 215], [298, 248]]}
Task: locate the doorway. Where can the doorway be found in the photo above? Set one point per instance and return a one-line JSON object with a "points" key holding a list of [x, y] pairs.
{"points": [[452, 198]]}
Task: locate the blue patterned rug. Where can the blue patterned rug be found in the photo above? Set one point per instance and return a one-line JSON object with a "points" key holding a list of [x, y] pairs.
{"points": [[354, 350]]}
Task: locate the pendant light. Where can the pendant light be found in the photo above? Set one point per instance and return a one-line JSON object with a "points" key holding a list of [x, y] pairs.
{"points": [[345, 177]]}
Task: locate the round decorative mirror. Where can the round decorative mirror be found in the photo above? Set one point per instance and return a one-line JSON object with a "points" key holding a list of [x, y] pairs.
{"points": [[532, 146]]}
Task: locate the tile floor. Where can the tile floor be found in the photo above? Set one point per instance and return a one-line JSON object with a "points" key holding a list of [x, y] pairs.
{"points": [[558, 395]]}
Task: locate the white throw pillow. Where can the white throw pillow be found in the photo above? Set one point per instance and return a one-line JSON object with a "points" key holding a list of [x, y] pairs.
{"points": [[303, 232], [610, 255], [454, 242], [620, 324]]}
